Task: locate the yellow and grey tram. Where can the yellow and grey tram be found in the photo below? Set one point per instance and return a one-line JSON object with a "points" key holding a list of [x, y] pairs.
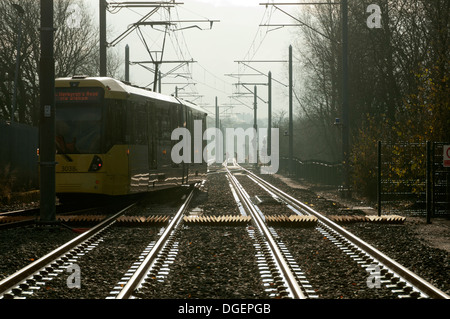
{"points": [[115, 139]]}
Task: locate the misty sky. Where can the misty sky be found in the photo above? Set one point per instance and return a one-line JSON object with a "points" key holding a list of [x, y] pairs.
{"points": [[237, 36]]}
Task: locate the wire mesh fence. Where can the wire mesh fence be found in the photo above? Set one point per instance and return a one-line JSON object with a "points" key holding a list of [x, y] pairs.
{"points": [[440, 178], [313, 171], [412, 179], [18, 157]]}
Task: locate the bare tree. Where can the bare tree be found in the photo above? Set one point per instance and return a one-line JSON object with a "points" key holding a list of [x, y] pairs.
{"points": [[75, 51], [398, 75]]}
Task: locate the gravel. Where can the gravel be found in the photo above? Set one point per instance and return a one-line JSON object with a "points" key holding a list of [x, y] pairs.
{"points": [[218, 262], [210, 265], [103, 267], [401, 242]]}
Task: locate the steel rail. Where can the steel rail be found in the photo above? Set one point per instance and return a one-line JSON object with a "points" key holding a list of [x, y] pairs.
{"points": [[139, 275], [31, 213], [411, 277], [22, 274], [283, 266]]}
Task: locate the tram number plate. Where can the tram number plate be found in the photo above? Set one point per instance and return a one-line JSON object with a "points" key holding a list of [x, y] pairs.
{"points": [[68, 169]]}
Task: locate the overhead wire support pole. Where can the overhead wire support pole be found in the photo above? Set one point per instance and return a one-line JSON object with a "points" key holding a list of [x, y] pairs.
{"points": [[218, 140], [291, 126], [47, 148], [103, 43], [255, 123], [345, 99], [127, 63], [269, 111]]}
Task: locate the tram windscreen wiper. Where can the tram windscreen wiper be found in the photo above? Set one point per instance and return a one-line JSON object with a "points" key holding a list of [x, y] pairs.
{"points": [[61, 147]]}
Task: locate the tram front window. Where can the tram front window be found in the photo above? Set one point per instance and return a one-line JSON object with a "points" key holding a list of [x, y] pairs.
{"points": [[78, 128]]}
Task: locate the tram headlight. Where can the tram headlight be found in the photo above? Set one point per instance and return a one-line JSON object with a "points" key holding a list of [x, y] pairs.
{"points": [[96, 164]]}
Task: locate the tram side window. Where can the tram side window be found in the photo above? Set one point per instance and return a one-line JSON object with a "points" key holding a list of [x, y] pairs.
{"points": [[115, 127], [137, 114], [199, 116], [164, 129], [174, 121], [164, 133]]}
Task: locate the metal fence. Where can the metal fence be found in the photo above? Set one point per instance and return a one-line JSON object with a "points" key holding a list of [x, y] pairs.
{"points": [[18, 156], [439, 180], [314, 171], [413, 179]]}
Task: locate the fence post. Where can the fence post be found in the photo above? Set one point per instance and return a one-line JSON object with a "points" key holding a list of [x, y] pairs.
{"points": [[379, 178], [428, 181], [433, 179]]}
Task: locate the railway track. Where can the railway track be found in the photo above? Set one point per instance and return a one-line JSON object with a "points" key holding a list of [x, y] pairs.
{"points": [[37, 276], [167, 267], [26, 217], [276, 262], [18, 218], [152, 258], [384, 270], [32, 277]]}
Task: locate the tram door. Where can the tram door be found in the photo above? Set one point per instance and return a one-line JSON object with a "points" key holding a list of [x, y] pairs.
{"points": [[152, 132]]}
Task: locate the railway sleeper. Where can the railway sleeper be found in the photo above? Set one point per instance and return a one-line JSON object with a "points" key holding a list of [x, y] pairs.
{"points": [[311, 221], [121, 221], [218, 220]]}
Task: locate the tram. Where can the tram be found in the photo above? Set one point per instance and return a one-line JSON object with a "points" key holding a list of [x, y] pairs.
{"points": [[113, 138]]}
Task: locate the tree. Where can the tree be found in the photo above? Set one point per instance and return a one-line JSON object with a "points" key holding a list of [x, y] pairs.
{"points": [[398, 76], [75, 52]]}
